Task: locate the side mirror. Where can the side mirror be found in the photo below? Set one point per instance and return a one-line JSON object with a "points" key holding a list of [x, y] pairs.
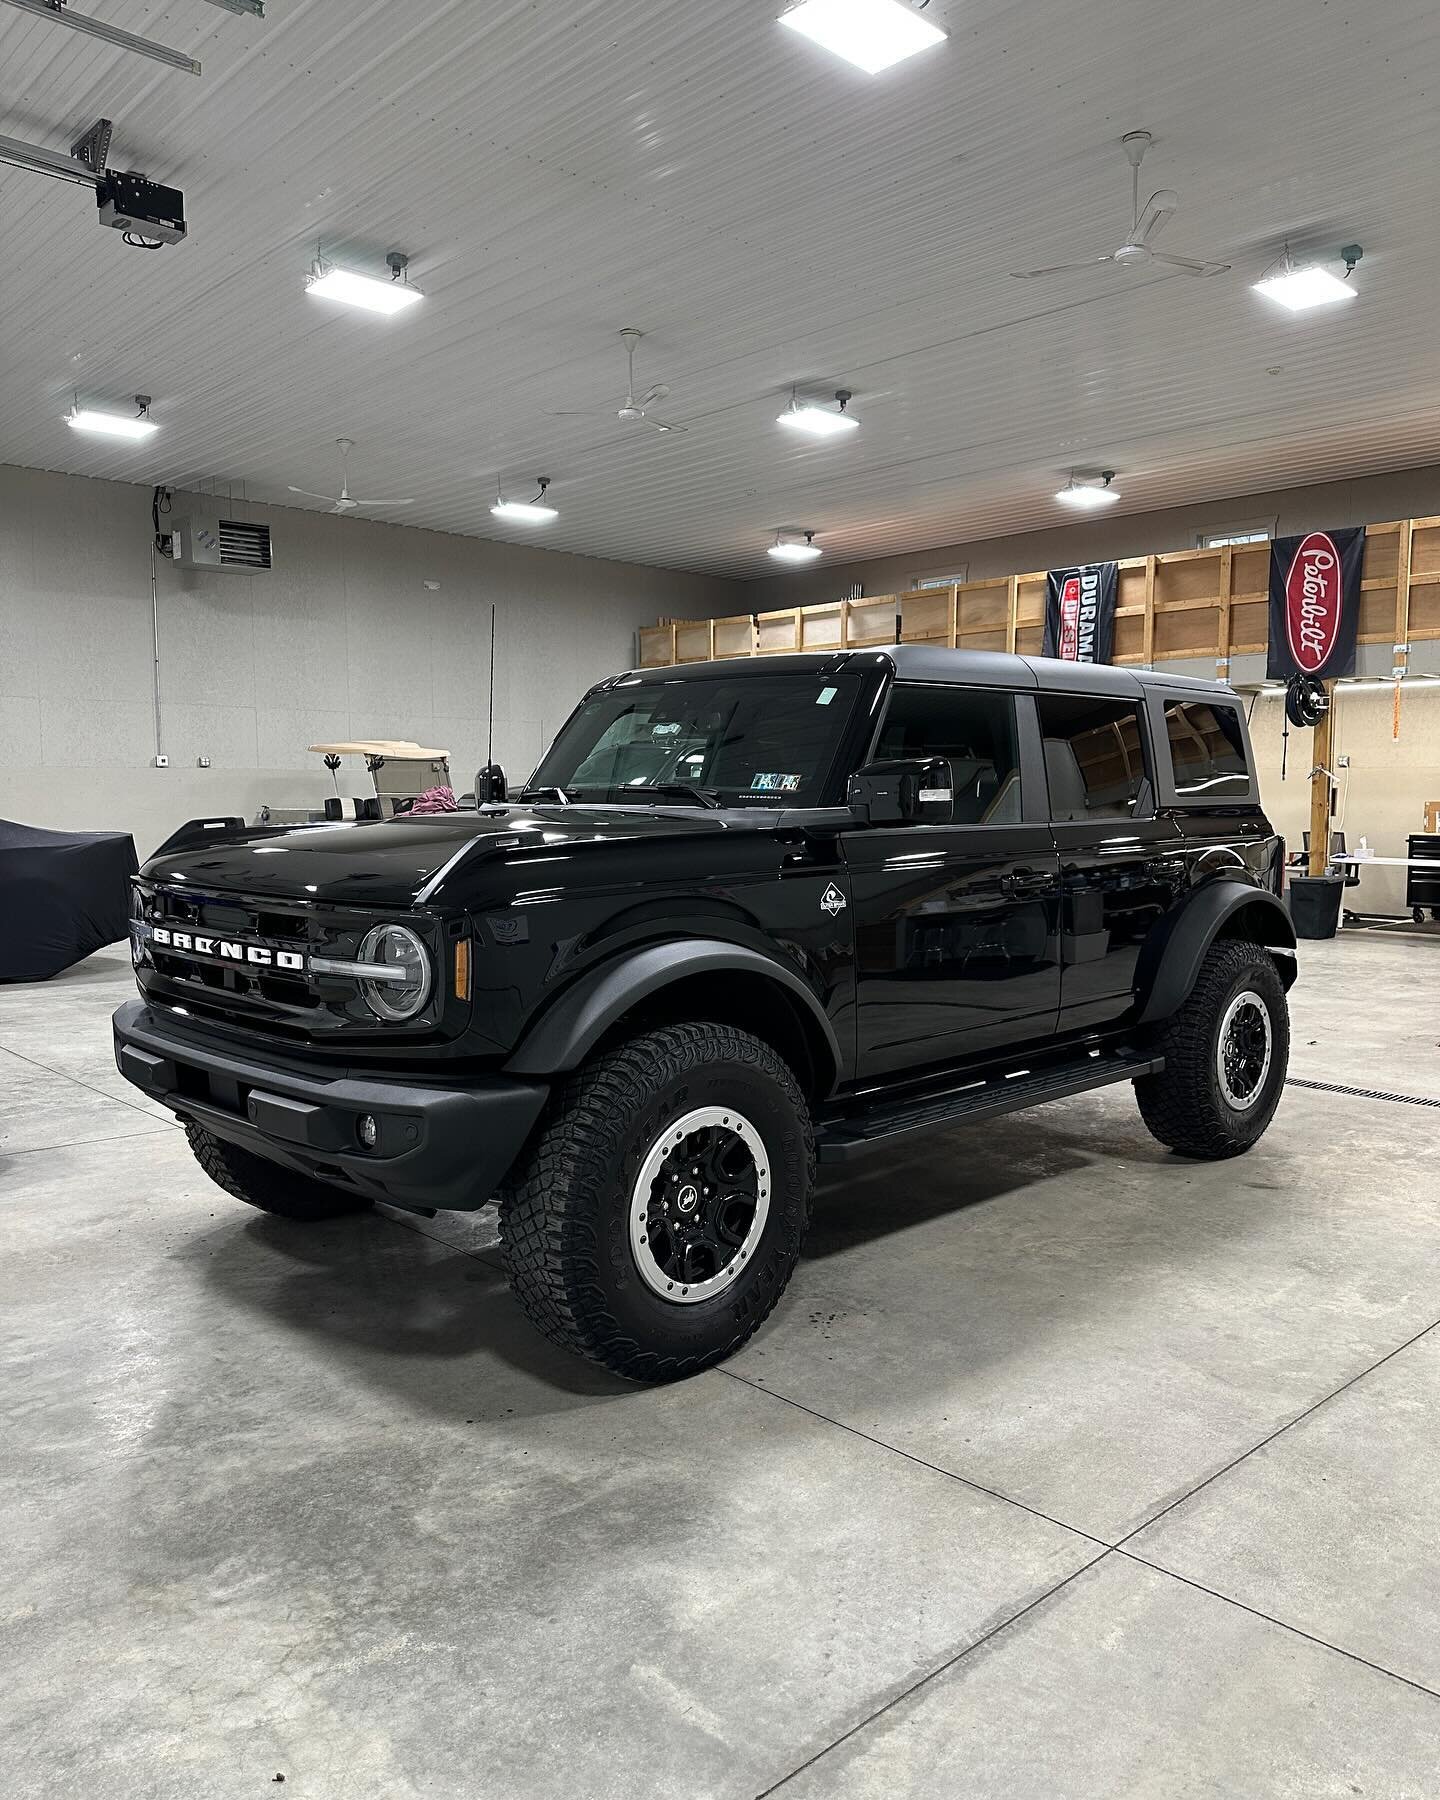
{"points": [[905, 791], [490, 785]]}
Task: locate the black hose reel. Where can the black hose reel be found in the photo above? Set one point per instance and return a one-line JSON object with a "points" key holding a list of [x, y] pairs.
{"points": [[1306, 700]]}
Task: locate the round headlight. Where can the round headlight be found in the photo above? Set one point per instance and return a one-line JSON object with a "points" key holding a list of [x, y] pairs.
{"points": [[404, 994]]}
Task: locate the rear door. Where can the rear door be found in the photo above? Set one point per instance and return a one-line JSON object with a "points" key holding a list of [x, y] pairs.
{"points": [[1121, 864], [955, 923]]}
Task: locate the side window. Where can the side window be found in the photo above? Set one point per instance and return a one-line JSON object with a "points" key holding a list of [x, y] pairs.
{"points": [[1207, 751], [1094, 756], [974, 730]]}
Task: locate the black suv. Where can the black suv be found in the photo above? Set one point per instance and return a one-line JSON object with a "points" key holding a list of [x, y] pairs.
{"points": [[745, 915]]}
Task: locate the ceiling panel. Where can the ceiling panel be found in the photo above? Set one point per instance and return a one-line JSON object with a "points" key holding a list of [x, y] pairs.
{"points": [[768, 216]]}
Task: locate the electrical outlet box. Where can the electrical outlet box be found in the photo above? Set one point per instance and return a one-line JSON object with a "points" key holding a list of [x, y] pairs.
{"points": [[162, 761], [202, 762], [1342, 762]]}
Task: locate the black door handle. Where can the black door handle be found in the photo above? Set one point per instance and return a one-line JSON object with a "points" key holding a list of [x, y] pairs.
{"points": [[1024, 881]]}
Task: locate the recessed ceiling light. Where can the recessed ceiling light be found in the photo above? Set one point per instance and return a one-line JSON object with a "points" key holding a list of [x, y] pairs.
{"points": [[1087, 494], [871, 34], [819, 421], [538, 511], [790, 549], [1299, 287], [326, 282], [115, 425]]}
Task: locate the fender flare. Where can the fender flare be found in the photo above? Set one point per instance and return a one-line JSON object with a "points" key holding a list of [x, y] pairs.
{"points": [[1170, 960], [569, 1030]]}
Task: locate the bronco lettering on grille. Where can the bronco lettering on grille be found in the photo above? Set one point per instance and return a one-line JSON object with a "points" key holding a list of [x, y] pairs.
{"points": [[194, 943]]}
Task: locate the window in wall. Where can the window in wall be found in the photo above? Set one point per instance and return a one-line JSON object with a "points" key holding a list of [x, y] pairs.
{"points": [[1207, 750], [1094, 756], [974, 730], [962, 573], [1254, 531]]}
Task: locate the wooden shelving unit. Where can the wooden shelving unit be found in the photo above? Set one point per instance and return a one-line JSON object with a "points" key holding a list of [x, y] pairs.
{"points": [[1205, 605]]}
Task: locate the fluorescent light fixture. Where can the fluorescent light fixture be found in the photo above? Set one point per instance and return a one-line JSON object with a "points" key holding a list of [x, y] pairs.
{"points": [[115, 425], [819, 421], [871, 34], [1086, 494], [1300, 289], [791, 550], [326, 282], [538, 511]]}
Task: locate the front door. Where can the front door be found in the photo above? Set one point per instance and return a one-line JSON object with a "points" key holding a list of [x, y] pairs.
{"points": [[1121, 867], [955, 924]]}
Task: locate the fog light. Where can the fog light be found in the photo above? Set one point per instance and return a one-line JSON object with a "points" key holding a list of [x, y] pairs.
{"points": [[367, 1130]]}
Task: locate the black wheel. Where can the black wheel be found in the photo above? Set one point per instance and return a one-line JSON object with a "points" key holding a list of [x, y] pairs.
{"points": [[1417, 913], [662, 1210], [1226, 1053], [266, 1185]]}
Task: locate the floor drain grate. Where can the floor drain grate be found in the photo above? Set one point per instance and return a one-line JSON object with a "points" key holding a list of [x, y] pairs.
{"points": [[1336, 1087]]}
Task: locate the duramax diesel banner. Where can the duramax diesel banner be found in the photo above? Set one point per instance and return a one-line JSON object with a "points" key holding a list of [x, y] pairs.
{"points": [[1315, 603], [1080, 613]]}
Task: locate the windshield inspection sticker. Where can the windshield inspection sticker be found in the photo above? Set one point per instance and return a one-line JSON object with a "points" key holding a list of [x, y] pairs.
{"points": [[774, 784], [825, 696]]}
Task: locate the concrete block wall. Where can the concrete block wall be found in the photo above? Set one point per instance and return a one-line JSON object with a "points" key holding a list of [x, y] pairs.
{"points": [[342, 639]]}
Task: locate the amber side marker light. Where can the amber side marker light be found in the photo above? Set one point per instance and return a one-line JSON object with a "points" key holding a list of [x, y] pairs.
{"points": [[462, 968]]}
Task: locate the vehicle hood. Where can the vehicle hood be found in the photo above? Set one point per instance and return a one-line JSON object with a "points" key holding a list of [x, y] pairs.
{"points": [[402, 862]]}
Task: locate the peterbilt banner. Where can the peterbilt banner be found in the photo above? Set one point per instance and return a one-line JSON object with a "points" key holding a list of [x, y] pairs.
{"points": [[1080, 612], [1315, 603]]}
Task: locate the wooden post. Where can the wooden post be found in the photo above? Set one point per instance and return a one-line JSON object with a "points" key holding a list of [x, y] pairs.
{"points": [[1324, 736]]}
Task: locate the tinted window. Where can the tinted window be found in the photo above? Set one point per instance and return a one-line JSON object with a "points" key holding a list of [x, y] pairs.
{"points": [[974, 730], [760, 740], [1094, 756], [1207, 750]]}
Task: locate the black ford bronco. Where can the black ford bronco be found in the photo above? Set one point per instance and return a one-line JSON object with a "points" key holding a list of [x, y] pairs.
{"points": [[744, 915]]}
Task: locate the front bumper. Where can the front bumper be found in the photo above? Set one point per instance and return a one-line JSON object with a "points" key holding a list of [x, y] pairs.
{"points": [[435, 1148]]}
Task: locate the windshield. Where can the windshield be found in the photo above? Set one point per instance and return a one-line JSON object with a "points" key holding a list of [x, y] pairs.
{"points": [[761, 740]]}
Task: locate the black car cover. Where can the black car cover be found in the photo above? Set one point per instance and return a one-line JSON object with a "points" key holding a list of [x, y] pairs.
{"points": [[62, 895]]}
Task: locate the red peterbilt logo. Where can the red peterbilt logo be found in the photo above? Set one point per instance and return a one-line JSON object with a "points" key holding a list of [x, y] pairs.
{"points": [[1313, 595]]}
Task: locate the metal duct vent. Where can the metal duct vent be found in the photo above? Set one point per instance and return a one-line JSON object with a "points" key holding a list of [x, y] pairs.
{"points": [[244, 546]]}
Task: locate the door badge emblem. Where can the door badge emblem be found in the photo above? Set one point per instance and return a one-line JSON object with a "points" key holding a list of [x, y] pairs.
{"points": [[832, 900]]}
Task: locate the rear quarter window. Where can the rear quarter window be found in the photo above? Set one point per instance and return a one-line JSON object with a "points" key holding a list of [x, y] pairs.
{"points": [[1207, 751]]}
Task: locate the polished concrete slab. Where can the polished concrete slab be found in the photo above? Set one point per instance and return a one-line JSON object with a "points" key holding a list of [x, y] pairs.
{"points": [[317, 1503]]}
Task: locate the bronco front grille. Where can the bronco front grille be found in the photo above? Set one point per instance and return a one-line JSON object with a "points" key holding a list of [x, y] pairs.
{"points": [[246, 960]]}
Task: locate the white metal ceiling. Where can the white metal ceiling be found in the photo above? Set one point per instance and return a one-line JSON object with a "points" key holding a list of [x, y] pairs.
{"points": [[559, 168]]}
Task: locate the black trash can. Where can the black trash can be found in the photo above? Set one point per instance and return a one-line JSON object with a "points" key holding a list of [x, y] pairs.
{"points": [[1315, 904]]}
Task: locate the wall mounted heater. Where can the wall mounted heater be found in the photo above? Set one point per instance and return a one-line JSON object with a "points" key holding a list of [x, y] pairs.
{"points": [[205, 542]]}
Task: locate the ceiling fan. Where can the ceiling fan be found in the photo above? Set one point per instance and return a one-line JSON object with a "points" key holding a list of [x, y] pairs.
{"points": [[635, 408], [342, 502], [1145, 227]]}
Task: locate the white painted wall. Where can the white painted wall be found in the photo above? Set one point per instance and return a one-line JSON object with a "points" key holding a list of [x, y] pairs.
{"points": [[340, 640]]}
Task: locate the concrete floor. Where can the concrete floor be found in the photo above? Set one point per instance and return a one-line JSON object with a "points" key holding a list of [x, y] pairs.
{"points": [[1066, 1470]]}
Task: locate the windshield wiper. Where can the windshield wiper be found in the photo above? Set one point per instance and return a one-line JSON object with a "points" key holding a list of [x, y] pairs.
{"points": [[562, 796], [701, 796]]}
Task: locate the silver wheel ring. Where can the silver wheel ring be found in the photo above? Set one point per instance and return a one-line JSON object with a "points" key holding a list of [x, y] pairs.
{"points": [[703, 1118], [1247, 999]]}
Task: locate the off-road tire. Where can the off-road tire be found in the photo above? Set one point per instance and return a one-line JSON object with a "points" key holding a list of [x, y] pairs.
{"points": [[266, 1185], [1184, 1105], [564, 1217]]}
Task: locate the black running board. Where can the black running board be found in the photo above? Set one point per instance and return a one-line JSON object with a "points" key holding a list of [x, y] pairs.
{"points": [[858, 1132]]}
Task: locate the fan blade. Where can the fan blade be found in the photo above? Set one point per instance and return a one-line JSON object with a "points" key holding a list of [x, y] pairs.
{"points": [[1062, 268], [658, 392], [660, 425], [1159, 208], [312, 496], [1188, 267], [382, 502], [589, 413]]}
